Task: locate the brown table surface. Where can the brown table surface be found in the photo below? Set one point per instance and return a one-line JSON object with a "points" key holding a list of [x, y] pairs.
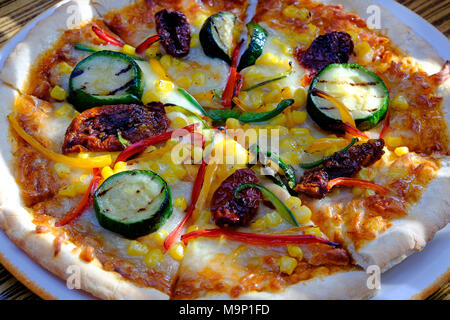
{"points": [[14, 14]]}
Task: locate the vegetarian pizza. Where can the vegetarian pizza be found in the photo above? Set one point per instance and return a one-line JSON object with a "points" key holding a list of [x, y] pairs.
{"points": [[223, 149]]}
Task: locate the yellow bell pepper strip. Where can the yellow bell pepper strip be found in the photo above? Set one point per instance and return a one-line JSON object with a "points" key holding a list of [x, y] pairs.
{"points": [[85, 163], [310, 165], [85, 201], [353, 182], [348, 123], [198, 183], [257, 239], [323, 144], [158, 69]]}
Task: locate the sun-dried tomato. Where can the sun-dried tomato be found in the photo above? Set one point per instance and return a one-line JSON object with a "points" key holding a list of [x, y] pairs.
{"points": [[175, 31], [226, 210], [333, 47], [98, 129]]}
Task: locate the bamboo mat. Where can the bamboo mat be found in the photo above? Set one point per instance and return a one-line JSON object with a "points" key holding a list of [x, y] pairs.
{"points": [[14, 14]]}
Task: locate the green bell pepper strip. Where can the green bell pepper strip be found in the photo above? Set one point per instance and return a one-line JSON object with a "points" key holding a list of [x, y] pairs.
{"points": [[314, 164], [221, 115], [288, 172], [281, 208], [192, 100]]}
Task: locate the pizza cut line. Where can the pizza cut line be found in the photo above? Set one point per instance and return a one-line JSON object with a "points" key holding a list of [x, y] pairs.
{"points": [[192, 150]]}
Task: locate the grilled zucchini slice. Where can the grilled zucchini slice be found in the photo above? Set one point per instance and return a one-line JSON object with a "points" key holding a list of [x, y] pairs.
{"points": [[257, 37], [361, 91], [105, 78], [133, 203], [217, 36]]}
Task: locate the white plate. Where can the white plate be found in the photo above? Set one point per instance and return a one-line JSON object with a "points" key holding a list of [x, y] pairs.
{"points": [[411, 277]]}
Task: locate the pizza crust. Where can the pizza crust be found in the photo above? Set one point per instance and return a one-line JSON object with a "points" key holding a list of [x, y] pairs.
{"points": [[17, 223], [41, 38], [411, 233], [351, 285]]}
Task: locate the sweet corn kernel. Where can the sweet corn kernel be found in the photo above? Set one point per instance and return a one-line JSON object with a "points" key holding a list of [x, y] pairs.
{"points": [[399, 103], [192, 228], [154, 257], [312, 28], [199, 20], [153, 51], [164, 86], [136, 248], [184, 82], [73, 189], [129, 50], [107, 172], [232, 123], [286, 93], [195, 41], [177, 251], [166, 61], [149, 96], [287, 264], [394, 141], [64, 111], [397, 173], [364, 51], [178, 170], [293, 203], [400, 151], [299, 132], [302, 214], [304, 38], [313, 231], [120, 166], [62, 170], [258, 224], [300, 97], [288, 143], [273, 219], [296, 13], [369, 192], [366, 174], [180, 203], [160, 236], [58, 93], [299, 116], [169, 176], [268, 59], [65, 68], [357, 191], [295, 251], [278, 120]]}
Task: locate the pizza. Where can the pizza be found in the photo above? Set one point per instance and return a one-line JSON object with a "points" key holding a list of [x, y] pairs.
{"points": [[181, 149]]}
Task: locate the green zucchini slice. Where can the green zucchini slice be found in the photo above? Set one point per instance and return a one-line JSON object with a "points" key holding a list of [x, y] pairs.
{"points": [[217, 36], [361, 91], [105, 78], [133, 203], [257, 37]]}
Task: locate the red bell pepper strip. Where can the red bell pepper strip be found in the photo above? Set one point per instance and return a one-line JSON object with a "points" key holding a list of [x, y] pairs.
{"points": [[233, 78], [257, 239], [353, 182], [147, 43], [198, 184], [106, 37], [85, 201], [386, 126], [143, 144], [353, 131]]}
